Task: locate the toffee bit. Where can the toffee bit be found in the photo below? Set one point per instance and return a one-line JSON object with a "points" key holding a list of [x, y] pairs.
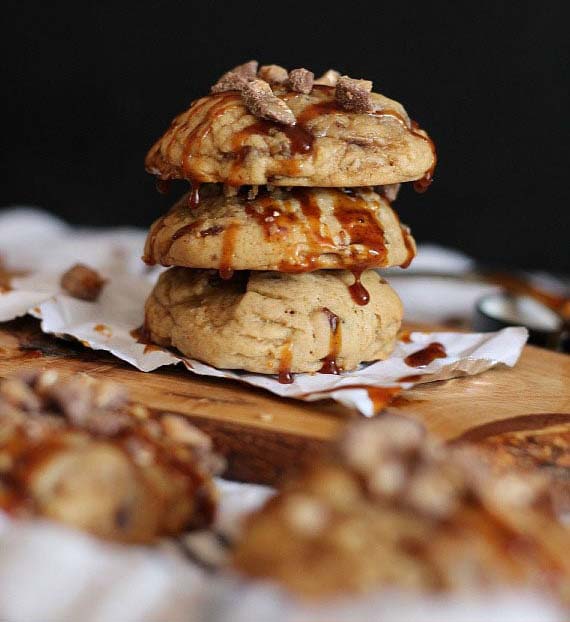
{"points": [[329, 78], [354, 95], [261, 102], [274, 74], [246, 70], [301, 80], [82, 282], [236, 78], [229, 82]]}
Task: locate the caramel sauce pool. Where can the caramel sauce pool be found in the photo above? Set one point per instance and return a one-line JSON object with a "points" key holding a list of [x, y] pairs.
{"points": [[424, 357]]}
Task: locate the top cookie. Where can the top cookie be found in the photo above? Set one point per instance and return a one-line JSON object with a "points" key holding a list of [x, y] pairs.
{"points": [[293, 132]]}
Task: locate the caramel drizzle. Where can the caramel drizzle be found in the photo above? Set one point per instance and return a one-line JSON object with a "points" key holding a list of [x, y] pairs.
{"points": [[300, 139], [359, 226], [331, 107], [197, 136], [226, 270], [285, 376], [330, 365], [194, 195]]}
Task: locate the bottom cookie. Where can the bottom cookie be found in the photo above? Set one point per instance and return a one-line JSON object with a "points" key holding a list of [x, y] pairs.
{"points": [[272, 322]]}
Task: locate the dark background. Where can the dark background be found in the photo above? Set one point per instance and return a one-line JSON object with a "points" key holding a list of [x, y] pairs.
{"points": [[87, 87]]}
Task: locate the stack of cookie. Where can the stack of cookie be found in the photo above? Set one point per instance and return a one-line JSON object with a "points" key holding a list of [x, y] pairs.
{"points": [[289, 213]]}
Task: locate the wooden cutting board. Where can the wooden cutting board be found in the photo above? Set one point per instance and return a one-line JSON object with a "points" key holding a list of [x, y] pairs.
{"points": [[263, 436]]}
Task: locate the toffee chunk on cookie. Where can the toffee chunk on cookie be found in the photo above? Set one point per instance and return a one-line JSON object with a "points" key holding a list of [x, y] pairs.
{"points": [[391, 508]]}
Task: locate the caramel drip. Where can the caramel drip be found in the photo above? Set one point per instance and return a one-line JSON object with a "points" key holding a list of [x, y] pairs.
{"points": [[177, 126], [142, 336], [361, 227], [312, 213], [274, 222], [285, 376], [194, 195], [424, 357], [330, 365], [198, 134], [300, 139], [225, 270], [358, 292]]}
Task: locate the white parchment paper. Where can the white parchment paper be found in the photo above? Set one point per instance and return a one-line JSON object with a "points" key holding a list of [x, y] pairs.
{"points": [[47, 247]]}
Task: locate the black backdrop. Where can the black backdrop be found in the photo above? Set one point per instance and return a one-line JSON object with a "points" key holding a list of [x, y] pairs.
{"points": [[88, 86]]}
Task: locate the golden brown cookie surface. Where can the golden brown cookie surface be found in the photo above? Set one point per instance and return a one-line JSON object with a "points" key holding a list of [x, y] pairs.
{"points": [[219, 140], [270, 322], [300, 230]]}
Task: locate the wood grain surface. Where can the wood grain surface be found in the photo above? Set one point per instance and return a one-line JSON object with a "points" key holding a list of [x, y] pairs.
{"points": [[264, 436]]}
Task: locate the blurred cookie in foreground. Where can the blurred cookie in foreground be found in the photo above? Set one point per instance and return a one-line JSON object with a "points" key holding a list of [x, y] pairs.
{"points": [[393, 508], [529, 443], [74, 450]]}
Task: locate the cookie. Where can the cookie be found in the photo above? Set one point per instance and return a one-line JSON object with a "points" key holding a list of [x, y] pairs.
{"points": [[530, 443], [299, 230], [274, 323], [317, 143], [390, 508], [74, 450]]}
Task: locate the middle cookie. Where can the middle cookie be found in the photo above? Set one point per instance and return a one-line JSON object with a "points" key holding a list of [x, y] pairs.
{"points": [[297, 230]]}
